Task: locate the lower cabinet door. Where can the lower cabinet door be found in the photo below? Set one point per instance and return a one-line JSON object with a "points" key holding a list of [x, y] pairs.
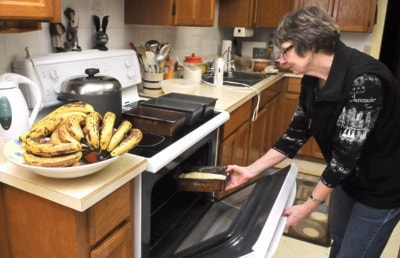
{"points": [[117, 245]]}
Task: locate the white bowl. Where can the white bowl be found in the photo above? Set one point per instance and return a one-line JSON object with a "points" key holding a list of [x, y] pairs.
{"points": [[179, 85], [14, 151]]}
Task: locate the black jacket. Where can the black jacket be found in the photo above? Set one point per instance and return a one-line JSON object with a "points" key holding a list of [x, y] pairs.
{"points": [[375, 180]]}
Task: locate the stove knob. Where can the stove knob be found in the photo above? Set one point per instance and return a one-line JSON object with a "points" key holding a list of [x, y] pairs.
{"points": [[128, 62], [54, 74]]}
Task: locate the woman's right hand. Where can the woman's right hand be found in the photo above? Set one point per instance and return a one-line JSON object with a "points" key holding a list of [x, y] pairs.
{"points": [[238, 175]]}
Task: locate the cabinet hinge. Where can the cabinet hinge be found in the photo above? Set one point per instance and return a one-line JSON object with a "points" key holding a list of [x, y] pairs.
{"points": [[173, 9]]}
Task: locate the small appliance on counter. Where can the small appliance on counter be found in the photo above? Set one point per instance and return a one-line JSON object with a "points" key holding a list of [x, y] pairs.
{"points": [[15, 117]]}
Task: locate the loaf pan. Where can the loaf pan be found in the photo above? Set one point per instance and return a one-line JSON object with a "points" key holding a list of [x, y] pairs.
{"points": [[207, 103], [192, 110], [198, 184], [156, 120]]}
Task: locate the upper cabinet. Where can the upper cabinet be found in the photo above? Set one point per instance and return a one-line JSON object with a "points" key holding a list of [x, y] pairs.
{"points": [[253, 13], [22, 15], [351, 15], [170, 12]]}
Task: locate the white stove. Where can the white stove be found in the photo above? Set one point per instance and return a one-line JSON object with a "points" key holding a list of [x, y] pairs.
{"points": [[50, 70]]}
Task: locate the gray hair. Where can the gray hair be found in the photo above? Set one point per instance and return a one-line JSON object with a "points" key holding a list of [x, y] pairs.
{"points": [[308, 28]]}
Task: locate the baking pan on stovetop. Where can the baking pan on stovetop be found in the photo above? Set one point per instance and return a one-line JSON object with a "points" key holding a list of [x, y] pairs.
{"points": [[192, 110], [207, 102], [156, 120]]}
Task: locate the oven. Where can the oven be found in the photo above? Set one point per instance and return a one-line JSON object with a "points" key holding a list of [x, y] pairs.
{"points": [[174, 223], [169, 222]]}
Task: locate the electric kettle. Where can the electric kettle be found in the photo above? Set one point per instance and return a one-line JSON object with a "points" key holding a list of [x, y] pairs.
{"points": [[15, 117]]}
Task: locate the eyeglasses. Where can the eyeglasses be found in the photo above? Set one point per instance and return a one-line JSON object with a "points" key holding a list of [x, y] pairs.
{"points": [[286, 50]]}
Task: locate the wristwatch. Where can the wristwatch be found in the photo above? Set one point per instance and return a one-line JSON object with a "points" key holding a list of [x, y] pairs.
{"points": [[319, 202]]}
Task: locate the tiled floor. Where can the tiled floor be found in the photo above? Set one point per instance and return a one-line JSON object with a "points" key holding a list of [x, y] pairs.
{"points": [[290, 247]]}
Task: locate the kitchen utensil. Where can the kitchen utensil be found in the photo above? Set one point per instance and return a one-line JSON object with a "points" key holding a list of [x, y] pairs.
{"points": [[103, 92], [151, 61], [207, 102], [14, 150], [152, 45], [156, 120], [14, 114], [143, 56], [161, 56]]}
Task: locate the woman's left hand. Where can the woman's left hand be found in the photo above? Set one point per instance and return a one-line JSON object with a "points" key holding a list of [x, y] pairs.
{"points": [[299, 212]]}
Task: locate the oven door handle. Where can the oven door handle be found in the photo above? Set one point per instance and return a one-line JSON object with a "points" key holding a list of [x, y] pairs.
{"points": [[259, 246], [276, 239]]}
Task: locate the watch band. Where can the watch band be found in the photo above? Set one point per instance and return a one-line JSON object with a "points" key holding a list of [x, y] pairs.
{"points": [[319, 202]]}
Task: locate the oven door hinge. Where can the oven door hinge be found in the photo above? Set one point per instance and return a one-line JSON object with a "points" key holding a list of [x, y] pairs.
{"points": [[173, 9]]}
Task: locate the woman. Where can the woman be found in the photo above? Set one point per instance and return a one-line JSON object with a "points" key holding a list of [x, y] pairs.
{"points": [[350, 103]]}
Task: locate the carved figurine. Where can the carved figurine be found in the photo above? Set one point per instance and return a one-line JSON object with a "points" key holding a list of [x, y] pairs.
{"points": [[101, 37], [72, 30], [56, 32]]}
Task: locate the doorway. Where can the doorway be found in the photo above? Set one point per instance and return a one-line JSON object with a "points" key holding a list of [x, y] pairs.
{"points": [[390, 47]]}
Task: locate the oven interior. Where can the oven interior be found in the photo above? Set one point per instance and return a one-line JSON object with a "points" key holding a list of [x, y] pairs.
{"points": [[194, 224]]}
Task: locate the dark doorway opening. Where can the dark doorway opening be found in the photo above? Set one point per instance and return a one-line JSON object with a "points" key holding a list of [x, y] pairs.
{"points": [[390, 47]]}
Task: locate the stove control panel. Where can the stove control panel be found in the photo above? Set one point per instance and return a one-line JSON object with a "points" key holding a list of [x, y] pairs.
{"points": [[51, 70]]}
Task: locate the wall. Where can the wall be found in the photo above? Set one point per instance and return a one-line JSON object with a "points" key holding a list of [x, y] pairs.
{"points": [[203, 41]]}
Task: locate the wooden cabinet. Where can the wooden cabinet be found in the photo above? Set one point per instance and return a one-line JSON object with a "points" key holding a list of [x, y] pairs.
{"points": [[36, 227], [288, 104], [263, 133], [170, 12], [24, 15], [234, 137], [252, 13], [351, 15]]}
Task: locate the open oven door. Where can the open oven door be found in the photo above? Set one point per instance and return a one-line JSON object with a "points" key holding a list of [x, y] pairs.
{"points": [[248, 223]]}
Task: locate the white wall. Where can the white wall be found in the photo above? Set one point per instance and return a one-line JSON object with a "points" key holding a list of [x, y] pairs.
{"points": [[203, 41]]}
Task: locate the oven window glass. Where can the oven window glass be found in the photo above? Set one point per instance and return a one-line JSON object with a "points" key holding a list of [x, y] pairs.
{"points": [[218, 219]]}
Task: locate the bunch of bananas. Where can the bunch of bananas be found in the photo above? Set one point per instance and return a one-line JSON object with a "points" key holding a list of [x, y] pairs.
{"points": [[75, 131]]}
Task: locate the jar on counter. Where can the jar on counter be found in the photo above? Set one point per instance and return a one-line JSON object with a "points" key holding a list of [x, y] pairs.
{"points": [[192, 68]]}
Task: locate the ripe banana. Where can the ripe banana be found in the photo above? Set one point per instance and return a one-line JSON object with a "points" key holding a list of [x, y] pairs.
{"points": [[107, 128], [47, 149], [133, 137], [92, 129], [73, 125], [54, 137], [56, 161], [48, 124], [45, 127], [65, 135], [72, 107], [24, 136], [119, 134]]}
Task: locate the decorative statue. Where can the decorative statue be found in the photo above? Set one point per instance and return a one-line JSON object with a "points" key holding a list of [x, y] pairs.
{"points": [[56, 32], [101, 37], [72, 30]]}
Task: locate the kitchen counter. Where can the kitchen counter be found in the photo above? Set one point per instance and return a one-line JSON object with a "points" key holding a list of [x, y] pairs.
{"points": [[77, 193], [232, 97]]}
